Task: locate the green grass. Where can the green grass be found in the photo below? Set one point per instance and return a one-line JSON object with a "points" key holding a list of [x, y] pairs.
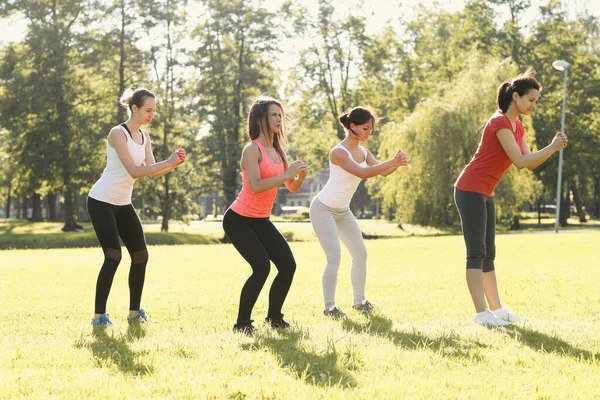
{"points": [[21, 234], [422, 344]]}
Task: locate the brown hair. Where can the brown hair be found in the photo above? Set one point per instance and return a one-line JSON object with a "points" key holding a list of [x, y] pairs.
{"points": [[521, 85], [259, 115], [136, 97], [356, 116]]}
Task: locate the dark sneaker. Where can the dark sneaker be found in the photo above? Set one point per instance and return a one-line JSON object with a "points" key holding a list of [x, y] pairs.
{"points": [[364, 307], [244, 327], [334, 312], [277, 322]]}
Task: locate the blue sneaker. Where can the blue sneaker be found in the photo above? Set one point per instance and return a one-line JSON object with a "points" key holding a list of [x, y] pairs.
{"points": [[103, 321], [138, 319]]}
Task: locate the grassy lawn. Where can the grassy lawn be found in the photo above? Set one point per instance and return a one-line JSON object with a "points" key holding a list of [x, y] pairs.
{"points": [[421, 344], [21, 234]]}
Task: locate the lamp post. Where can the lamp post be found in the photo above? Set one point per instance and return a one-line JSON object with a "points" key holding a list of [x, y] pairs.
{"points": [[560, 65]]}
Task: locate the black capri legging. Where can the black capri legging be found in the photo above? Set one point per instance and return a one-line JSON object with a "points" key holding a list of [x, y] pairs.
{"points": [[112, 222], [259, 242], [478, 220]]}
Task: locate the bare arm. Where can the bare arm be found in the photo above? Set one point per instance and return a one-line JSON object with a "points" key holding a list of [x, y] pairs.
{"points": [[525, 151], [249, 162], [118, 141], [151, 161], [293, 185], [341, 158], [371, 160], [529, 160]]}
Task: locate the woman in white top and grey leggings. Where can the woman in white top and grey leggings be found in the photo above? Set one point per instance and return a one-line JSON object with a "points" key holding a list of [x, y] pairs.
{"points": [[330, 214], [128, 157]]}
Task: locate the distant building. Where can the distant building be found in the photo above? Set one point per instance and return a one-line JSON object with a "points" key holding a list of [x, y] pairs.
{"points": [[303, 197]]}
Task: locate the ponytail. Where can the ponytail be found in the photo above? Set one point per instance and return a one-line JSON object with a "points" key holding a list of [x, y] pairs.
{"points": [[504, 97]]}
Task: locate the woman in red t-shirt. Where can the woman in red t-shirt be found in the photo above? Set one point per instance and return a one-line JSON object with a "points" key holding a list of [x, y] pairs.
{"points": [[503, 143]]}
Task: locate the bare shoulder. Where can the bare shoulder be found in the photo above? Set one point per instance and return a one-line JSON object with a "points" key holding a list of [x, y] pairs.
{"points": [[250, 150], [115, 130], [250, 153], [337, 154], [116, 136]]}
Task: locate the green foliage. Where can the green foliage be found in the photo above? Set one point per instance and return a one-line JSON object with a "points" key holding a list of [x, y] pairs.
{"points": [[323, 77], [441, 136], [556, 37], [59, 85], [232, 65]]}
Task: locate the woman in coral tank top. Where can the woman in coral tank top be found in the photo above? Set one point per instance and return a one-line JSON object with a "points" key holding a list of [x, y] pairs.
{"points": [[246, 222], [502, 144]]}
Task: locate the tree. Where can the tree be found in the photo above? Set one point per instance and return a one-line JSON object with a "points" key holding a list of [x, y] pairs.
{"points": [[441, 136], [556, 37], [328, 66], [233, 64]]}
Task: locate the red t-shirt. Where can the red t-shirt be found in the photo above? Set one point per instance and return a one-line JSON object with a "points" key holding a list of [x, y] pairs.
{"points": [[490, 162]]}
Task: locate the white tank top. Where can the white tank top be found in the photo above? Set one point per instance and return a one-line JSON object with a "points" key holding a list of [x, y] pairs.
{"points": [[116, 185], [340, 187]]}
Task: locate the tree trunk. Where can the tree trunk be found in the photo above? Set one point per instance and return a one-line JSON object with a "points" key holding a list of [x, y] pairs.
{"points": [[230, 187], [24, 207], [121, 110], [18, 209], [578, 202], [166, 207], [515, 224], [565, 204], [70, 225], [36, 208], [539, 210], [597, 195], [8, 200], [51, 199]]}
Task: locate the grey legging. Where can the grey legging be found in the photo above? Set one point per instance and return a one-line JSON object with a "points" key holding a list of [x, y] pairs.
{"points": [[331, 225]]}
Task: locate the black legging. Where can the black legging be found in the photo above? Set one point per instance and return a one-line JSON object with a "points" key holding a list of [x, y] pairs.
{"points": [[259, 242], [478, 220], [111, 222]]}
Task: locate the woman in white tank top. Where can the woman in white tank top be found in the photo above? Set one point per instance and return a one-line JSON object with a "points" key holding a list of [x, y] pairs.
{"points": [[128, 157], [330, 215]]}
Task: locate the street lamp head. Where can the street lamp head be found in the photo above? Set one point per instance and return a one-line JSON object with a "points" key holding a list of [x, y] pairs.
{"points": [[560, 65]]}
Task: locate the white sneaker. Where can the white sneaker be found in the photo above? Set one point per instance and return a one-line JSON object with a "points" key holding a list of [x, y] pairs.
{"points": [[506, 315], [487, 318]]}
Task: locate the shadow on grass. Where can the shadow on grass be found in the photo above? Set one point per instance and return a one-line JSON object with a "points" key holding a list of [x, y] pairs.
{"points": [[88, 239], [110, 349], [544, 343], [8, 225], [447, 345], [323, 370]]}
